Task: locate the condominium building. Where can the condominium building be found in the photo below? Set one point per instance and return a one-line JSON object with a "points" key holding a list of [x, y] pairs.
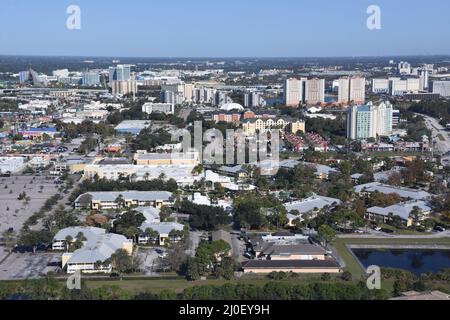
{"points": [[95, 254], [369, 121], [124, 87], [442, 88], [314, 91], [352, 89], [90, 79], [252, 126], [293, 91]]}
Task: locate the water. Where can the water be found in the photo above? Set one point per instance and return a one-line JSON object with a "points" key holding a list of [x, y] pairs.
{"points": [[414, 260]]}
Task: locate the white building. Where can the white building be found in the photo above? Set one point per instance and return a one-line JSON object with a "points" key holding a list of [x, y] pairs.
{"points": [[95, 255], [352, 90], [442, 88], [11, 164], [293, 91], [166, 108]]}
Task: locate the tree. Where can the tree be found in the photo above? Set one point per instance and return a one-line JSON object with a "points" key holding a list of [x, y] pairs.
{"points": [[176, 258], [327, 233], [165, 213], [193, 272], [152, 234], [226, 268], [34, 239], [416, 216], [123, 262], [9, 239]]}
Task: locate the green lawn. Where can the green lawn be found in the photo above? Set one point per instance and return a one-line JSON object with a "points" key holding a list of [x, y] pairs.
{"points": [[352, 264]]}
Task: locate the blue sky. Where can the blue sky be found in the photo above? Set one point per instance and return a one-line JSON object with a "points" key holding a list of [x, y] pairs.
{"points": [[224, 28]]}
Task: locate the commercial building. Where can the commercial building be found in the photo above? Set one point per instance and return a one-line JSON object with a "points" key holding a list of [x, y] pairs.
{"points": [[11, 164], [95, 255], [90, 79], [132, 126], [167, 159], [369, 121], [166, 108], [124, 199], [119, 73], [442, 88]]}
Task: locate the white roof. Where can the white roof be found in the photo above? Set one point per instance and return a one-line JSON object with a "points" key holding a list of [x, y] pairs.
{"points": [[388, 189], [231, 106], [402, 209], [162, 227], [307, 205], [111, 196]]}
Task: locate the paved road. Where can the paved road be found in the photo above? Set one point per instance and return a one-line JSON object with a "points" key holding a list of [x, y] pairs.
{"points": [[194, 240], [185, 112], [440, 137]]}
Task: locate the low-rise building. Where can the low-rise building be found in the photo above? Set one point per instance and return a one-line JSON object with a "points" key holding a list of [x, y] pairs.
{"points": [[252, 126], [124, 199], [95, 255], [310, 206], [402, 210], [405, 193], [167, 159]]}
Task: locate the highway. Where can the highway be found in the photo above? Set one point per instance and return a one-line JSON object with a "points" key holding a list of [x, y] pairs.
{"points": [[441, 137]]}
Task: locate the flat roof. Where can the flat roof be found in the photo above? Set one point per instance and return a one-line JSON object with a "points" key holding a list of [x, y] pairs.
{"points": [[291, 264]]}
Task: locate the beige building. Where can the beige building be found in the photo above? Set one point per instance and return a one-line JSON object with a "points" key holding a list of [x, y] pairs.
{"points": [[352, 90], [167, 159], [293, 91], [252, 126], [124, 87], [315, 91]]}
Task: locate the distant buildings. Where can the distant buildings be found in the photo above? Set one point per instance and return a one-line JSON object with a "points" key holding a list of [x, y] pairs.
{"points": [[352, 90], [404, 67], [369, 121], [405, 193], [253, 99]]}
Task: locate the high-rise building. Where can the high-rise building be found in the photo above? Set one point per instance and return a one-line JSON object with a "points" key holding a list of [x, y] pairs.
{"points": [[358, 90], [424, 76], [90, 79], [120, 73], [315, 91], [293, 91], [380, 85], [124, 87], [441, 87], [344, 91], [369, 121], [253, 99], [404, 68], [24, 76]]}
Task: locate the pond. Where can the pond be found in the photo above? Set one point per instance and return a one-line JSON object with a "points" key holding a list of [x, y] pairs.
{"points": [[417, 261]]}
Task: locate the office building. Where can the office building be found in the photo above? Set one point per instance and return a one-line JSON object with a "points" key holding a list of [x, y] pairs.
{"points": [[166, 108], [369, 121], [442, 88], [90, 79], [404, 68], [120, 73]]}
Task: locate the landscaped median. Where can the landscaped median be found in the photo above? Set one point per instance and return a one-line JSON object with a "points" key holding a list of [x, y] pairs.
{"points": [[351, 262]]}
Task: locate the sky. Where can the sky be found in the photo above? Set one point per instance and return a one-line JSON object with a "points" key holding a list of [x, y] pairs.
{"points": [[224, 28]]}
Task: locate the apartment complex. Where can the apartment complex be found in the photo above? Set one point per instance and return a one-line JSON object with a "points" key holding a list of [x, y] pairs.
{"points": [[352, 90], [252, 126]]}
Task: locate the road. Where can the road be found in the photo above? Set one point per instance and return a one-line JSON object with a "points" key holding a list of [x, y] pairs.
{"points": [[194, 241], [440, 137]]}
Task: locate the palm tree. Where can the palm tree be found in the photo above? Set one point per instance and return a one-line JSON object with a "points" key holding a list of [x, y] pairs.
{"points": [[69, 240]]}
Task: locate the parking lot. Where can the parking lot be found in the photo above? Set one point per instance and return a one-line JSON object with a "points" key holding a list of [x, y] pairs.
{"points": [[15, 212], [29, 266], [151, 258]]}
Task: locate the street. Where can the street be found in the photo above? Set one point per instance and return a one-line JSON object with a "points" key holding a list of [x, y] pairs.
{"points": [[440, 137]]}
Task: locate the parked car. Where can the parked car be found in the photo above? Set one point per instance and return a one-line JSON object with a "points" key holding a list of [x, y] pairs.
{"points": [[439, 229]]}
